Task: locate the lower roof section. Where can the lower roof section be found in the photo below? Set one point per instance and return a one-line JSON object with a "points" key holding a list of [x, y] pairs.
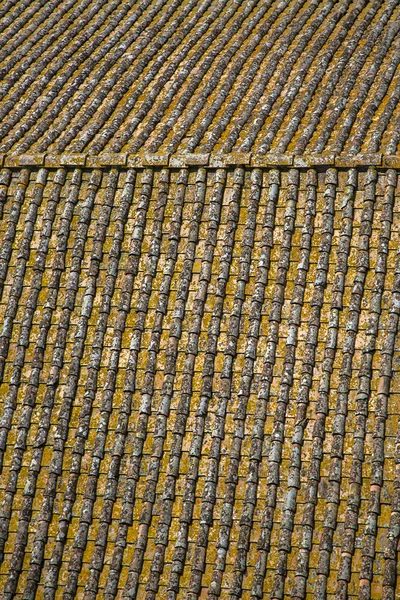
{"points": [[199, 373]]}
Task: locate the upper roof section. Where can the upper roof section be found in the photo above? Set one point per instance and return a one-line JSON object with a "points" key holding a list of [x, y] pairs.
{"points": [[184, 76]]}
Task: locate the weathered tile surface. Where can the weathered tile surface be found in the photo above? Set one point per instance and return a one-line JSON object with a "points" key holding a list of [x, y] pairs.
{"points": [[199, 382], [166, 76], [199, 299]]}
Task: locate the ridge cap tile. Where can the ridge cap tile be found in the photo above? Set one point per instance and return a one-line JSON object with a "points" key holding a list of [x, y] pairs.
{"points": [[189, 159], [358, 160], [271, 159], [391, 161], [73, 159], [24, 160], [113, 159]]}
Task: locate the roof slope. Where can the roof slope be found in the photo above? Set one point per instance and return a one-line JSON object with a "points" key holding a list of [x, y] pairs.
{"points": [[197, 374], [199, 299], [167, 76]]}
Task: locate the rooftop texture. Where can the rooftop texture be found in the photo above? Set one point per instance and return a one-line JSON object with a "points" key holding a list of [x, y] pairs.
{"points": [[196, 370], [171, 76], [199, 300]]}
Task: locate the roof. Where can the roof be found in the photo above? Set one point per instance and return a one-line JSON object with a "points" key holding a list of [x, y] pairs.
{"points": [[168, 76], [199, 300], [196, 370]]}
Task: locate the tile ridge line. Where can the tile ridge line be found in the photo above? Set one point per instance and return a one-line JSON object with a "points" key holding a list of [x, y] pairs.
{"points": [[211, 160]]}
